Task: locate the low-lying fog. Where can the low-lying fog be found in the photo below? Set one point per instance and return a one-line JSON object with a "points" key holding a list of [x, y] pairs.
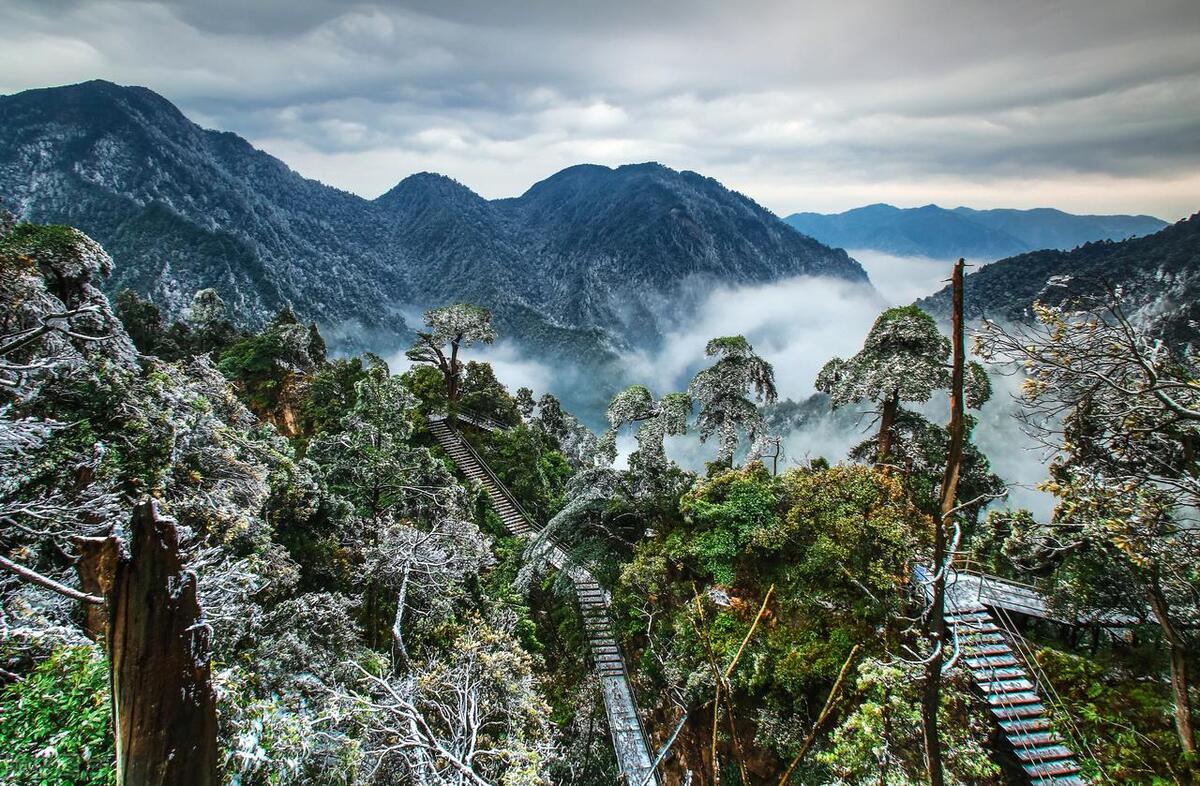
{"points": [[797, 325]]}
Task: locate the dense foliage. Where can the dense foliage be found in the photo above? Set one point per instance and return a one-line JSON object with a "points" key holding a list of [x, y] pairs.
{"points": [[373, 622], [55, 722]]}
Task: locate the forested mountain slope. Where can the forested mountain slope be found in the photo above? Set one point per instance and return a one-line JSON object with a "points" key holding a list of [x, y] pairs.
{"points": [[1158, 275], [181, 208]]}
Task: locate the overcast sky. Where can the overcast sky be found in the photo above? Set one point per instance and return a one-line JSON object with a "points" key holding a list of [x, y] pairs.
{"points": [[1087, 105]]}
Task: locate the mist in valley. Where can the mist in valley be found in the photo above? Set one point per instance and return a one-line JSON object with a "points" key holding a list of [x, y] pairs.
{"points": [[797, 325]]}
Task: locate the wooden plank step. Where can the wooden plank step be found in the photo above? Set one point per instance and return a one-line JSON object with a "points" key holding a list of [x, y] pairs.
{"points": [[974, 643], [1052, 770], [1034, 739], [993, 674], [992, 661], [1025, 725], [1013, 699], [1007, 686], [1019, 711], [1061, 780], [1044, 754]]}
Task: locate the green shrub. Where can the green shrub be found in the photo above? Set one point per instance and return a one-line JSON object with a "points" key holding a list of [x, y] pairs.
{"points": [[54, 724]]}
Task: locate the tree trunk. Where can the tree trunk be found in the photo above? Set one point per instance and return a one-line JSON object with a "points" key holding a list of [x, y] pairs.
{"points": [[399, 651], [164, 707], [1180, 680], [931, 694], [452, 377], [887, 419]]}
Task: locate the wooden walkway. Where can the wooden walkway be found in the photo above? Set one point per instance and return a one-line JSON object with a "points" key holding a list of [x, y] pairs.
{"points": [[1011, 691], [1014, 596], [629, 738]]}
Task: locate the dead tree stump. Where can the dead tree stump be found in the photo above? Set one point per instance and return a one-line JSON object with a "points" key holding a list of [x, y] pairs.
{"points": [[164, 707]]}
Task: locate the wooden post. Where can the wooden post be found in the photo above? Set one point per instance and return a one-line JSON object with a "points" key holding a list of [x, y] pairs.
{"points": [[931, 693], [164, 707]]}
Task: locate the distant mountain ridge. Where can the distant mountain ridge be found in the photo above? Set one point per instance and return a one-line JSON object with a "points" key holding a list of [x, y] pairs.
{"points": [[582, 260], [1158, 276], [937, 232]]}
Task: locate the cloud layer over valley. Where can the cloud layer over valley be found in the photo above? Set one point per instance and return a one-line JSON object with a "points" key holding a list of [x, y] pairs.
{"points": [[797, 325]]}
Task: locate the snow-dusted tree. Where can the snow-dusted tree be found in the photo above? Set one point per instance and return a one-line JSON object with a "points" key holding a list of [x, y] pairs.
{"points": [[904, 358], [722, 391], [525, 402], [55, 326], [655, 420], [371, 464], [588, 494], [450, 330], [388, 482], [53, 319], [922, 447], [207, 308], [767, 448], [426, 568], [1122, 412], [575, 441], [470, 717], [550, 415]]}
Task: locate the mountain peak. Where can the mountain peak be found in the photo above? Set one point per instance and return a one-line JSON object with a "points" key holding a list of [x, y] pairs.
{"points": [[95, 94], [428, 185]]}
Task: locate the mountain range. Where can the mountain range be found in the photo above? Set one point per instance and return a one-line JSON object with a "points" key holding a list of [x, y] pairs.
{"points": [[940, 233], [583, 260]]}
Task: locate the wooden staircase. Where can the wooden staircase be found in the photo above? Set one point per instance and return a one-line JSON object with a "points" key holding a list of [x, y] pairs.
{"points": [[628, 736], [1011, 693]]}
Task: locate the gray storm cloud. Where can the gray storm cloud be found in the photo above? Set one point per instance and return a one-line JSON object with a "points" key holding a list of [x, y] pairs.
{"points": [[1090, 105]]}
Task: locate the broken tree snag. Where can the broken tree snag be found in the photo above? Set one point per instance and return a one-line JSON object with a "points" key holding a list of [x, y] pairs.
{"points": [[931, 691], [96, 567], [164, 707]]}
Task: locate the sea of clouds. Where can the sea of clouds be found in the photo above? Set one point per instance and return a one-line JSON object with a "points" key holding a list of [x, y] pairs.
{"points": [[797, 325]]}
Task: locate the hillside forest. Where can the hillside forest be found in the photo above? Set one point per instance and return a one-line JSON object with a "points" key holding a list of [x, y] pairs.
{"points": [[228, 556]]}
